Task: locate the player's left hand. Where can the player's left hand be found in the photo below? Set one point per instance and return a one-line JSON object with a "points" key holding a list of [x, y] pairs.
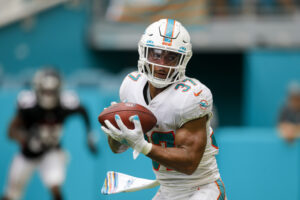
{"points": [[92, 142], [131, 137]]}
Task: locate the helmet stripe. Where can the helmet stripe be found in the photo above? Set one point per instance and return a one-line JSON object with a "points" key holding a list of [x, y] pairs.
{"points": [[169, 32]]}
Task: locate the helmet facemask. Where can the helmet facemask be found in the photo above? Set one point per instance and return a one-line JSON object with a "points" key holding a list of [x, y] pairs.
{"points": [[162, 67]]}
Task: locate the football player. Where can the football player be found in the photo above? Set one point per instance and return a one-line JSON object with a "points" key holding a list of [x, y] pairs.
{"points": [[182, 145], [37, 128]]}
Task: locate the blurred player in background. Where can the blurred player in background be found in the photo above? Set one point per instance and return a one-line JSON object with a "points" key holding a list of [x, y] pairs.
{"points": [[289, 117], [37, 128], [181, 145]]}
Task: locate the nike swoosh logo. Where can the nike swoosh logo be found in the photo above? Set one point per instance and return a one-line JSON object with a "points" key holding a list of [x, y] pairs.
{"points": [[197, 94]]}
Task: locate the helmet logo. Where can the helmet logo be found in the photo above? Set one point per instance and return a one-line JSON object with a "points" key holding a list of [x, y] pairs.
{"points": [[203, 104], [182, 49], [169, 32], [150, 43]]}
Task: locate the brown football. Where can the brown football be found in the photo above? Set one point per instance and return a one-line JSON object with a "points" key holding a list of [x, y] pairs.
{"points": [[126, 110]]}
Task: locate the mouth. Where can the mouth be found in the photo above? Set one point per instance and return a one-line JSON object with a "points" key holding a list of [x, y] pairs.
{"points": [[161, 75]]}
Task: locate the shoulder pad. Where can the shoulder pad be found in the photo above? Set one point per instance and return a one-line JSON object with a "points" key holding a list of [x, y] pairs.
{"points": [[69, 99], [26, 99], [197, 102], [130, 82]]}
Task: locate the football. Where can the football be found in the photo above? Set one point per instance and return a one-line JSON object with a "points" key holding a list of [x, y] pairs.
{"points": [[126, 110]]}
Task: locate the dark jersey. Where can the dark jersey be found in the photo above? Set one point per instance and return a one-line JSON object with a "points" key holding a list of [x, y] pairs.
{"points": [[287, 114], [43, 128]]}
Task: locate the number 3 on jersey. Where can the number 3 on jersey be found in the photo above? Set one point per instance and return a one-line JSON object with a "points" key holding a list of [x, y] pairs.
{"points": [[164, 139], [184, 86]]}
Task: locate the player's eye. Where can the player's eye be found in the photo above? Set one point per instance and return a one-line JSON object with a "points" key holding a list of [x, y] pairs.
{"points": [[156, 54], [171, 57]]}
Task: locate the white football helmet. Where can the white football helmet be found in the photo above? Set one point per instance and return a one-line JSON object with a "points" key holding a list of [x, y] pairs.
{"points": [[166, 37], [47, 85]]}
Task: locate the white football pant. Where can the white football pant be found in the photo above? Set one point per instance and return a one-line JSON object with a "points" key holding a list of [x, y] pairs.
{"points": [[211, 191], [51, 168]]}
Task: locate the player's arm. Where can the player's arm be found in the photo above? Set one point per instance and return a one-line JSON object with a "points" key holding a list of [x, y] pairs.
{"points": [[81, 110], [90, 135], [190, 143], [84, 114], [16, 130], [71, 105]]}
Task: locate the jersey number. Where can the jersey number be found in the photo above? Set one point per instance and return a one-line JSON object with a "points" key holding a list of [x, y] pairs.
{"points": [[164, 139], [184, 86]]}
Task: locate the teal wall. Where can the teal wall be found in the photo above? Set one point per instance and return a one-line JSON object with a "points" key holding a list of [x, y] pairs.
{"points": [[266, 77], [256, 164], [58, 37]]}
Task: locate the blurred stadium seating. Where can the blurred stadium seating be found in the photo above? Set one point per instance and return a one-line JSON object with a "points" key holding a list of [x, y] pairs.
{"points": [[245, 51]]}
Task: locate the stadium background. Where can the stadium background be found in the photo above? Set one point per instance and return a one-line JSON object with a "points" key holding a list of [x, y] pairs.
{"points": [[247, 69]]}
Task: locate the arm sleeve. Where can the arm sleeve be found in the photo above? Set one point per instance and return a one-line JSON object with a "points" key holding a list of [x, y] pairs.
{"points": [[81, 110]]}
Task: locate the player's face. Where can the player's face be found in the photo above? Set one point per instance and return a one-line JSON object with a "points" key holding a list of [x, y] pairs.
{"points": [[48, 98], [48, 92], [162, 58]]}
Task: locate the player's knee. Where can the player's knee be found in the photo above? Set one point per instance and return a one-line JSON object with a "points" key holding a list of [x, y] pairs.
{"points": [[54, 181], [54, 177]]}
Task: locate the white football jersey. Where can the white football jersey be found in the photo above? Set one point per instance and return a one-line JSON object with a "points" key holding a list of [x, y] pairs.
{"points": [[179, 103]]}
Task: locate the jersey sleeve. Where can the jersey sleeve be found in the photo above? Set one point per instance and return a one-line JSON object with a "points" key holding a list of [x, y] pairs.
{"points": [[197, 103], [69, 100], [26, 99]]}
